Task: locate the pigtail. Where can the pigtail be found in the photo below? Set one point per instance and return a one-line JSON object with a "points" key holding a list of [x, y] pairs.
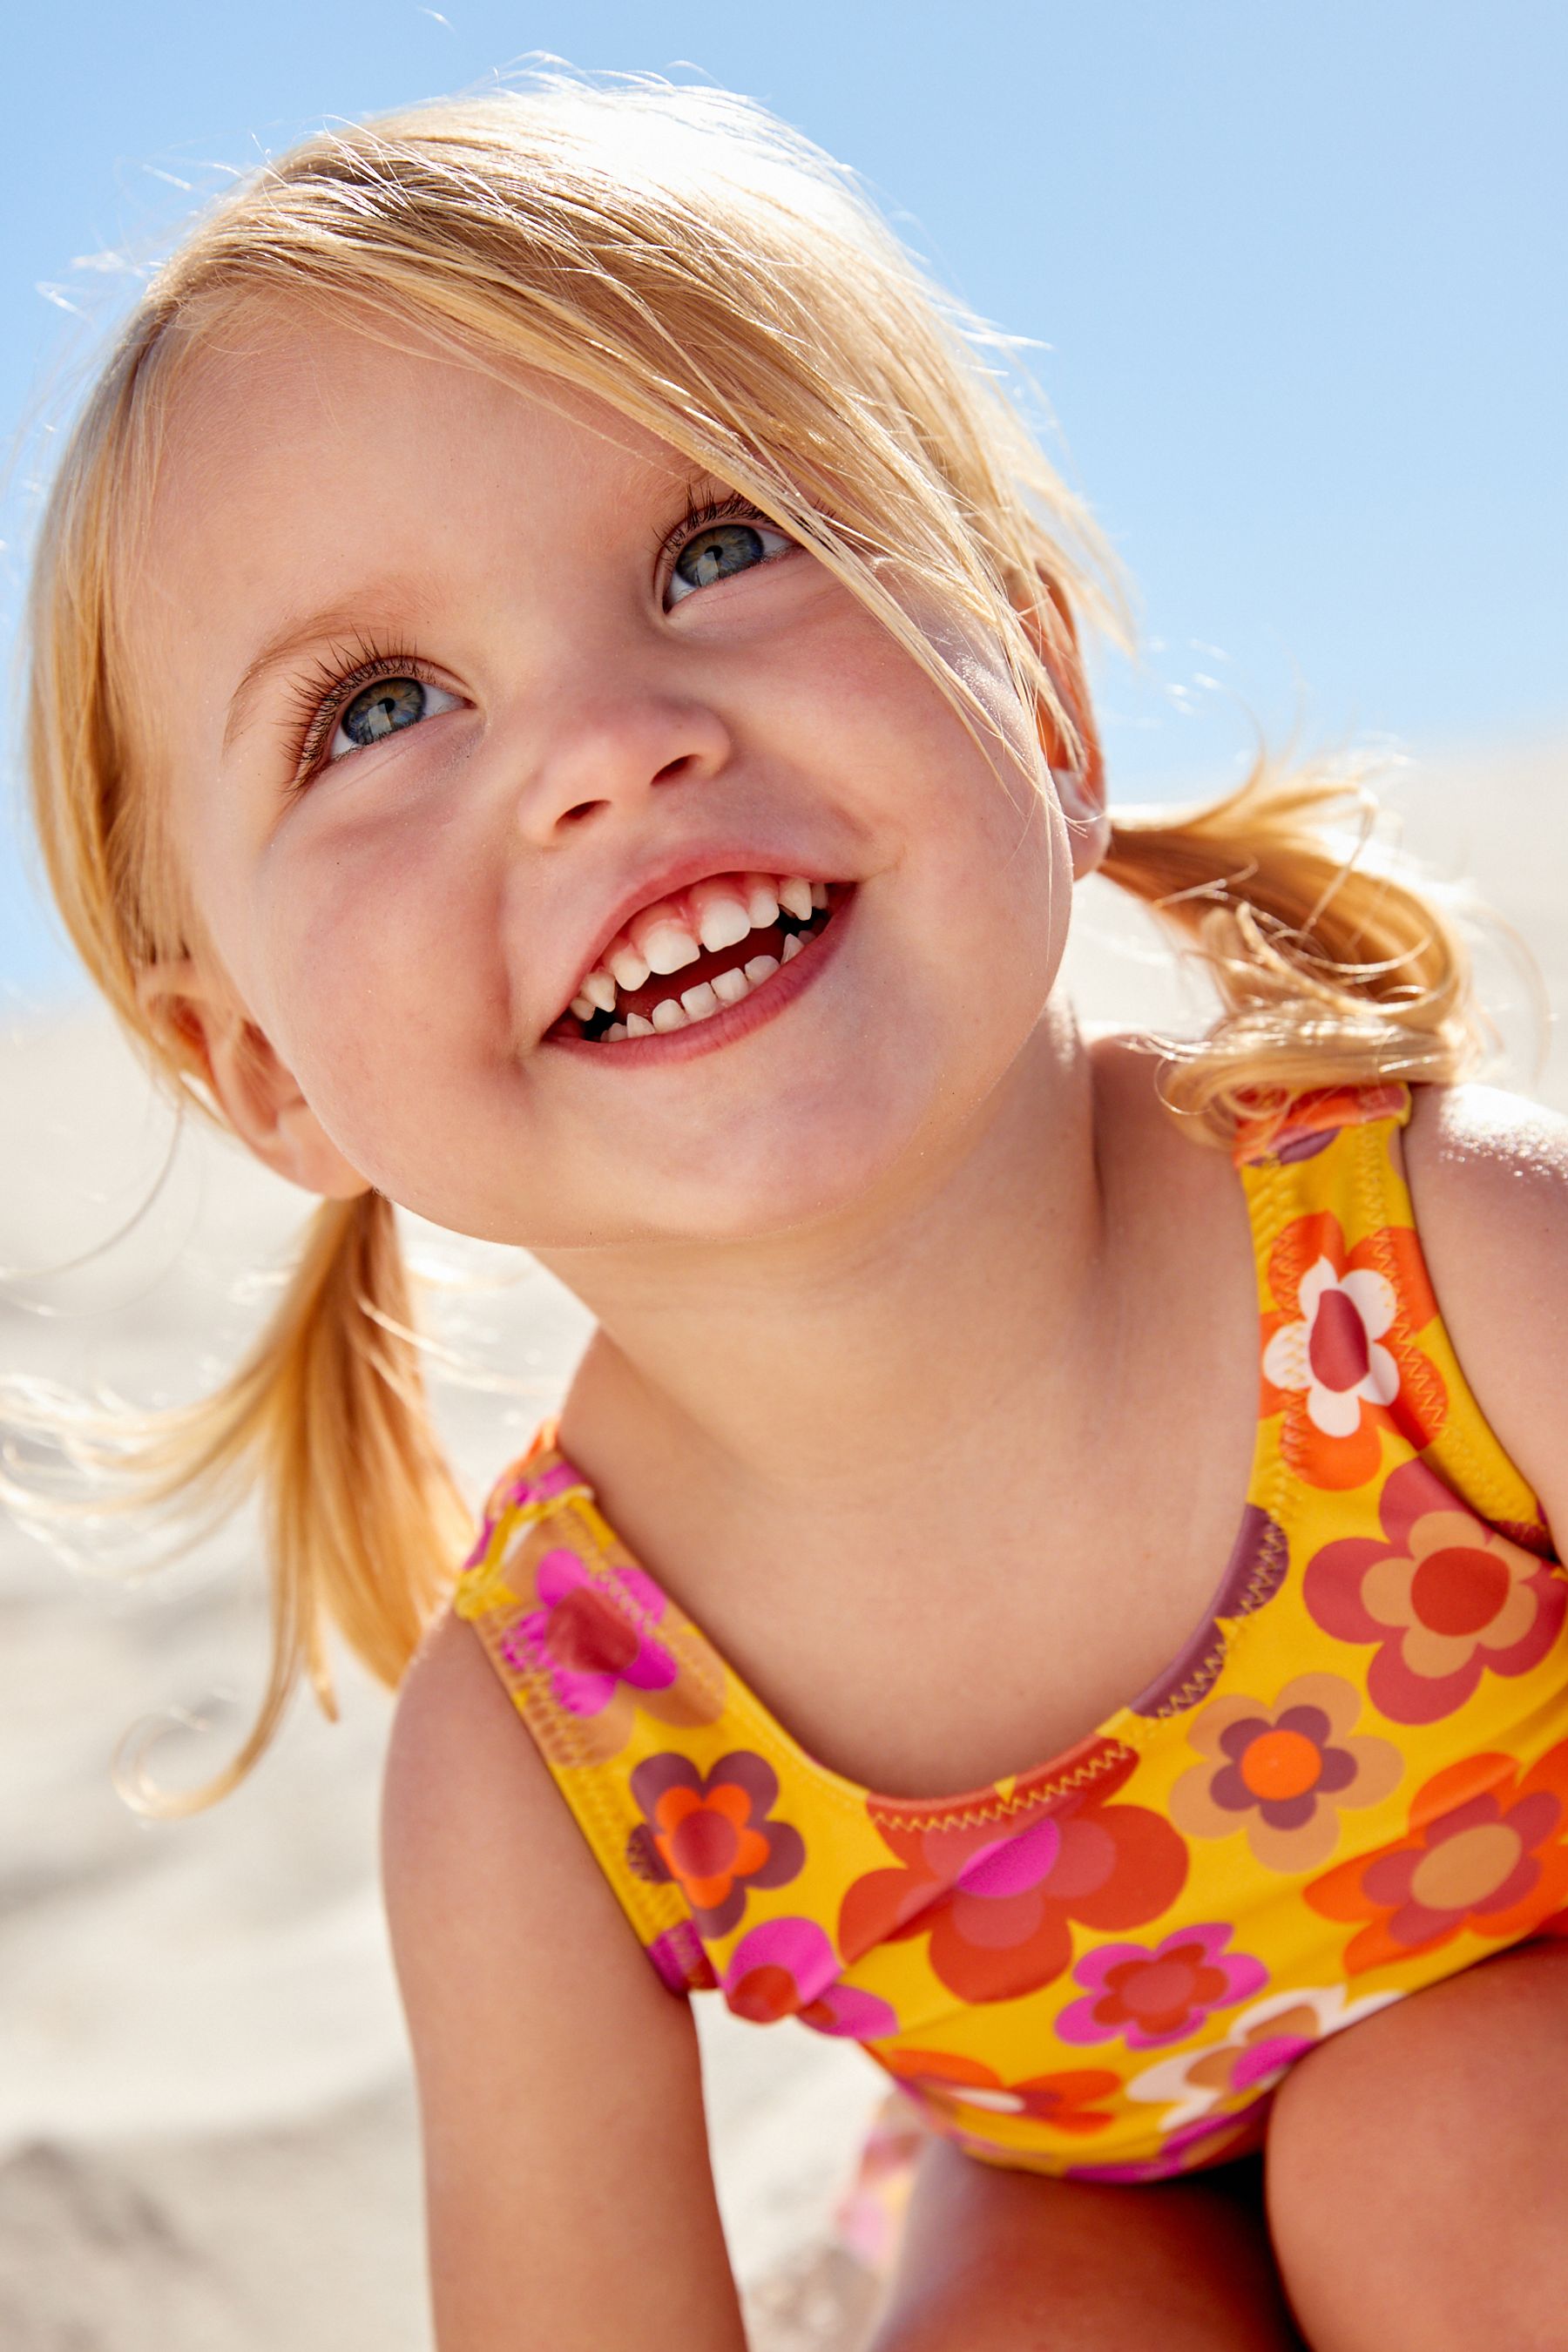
{"points": [[1331, 969], [328, 1414]]}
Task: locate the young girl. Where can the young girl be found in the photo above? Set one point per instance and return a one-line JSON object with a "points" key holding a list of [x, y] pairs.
{"points": [[557, 703]]}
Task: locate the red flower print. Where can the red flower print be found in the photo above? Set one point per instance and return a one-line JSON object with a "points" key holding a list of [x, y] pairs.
{"points": [[995, 1881], [712, 1835], [1145, 1998], [1340, 1360], [1445, 1598], [1486, 1852], [955, 2087]]}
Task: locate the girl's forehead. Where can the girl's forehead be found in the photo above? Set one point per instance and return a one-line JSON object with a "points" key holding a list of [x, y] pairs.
{"points": [[268, 394]]}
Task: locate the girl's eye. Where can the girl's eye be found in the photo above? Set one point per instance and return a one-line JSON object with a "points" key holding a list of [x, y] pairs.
{"points": [[713, 550], [384, 708]]}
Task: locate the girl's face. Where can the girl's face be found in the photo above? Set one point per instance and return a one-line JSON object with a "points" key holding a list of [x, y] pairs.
{"points": [[447, 694]]}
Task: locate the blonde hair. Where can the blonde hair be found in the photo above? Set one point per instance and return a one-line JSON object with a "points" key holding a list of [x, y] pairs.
{"points": [[718, 279]]}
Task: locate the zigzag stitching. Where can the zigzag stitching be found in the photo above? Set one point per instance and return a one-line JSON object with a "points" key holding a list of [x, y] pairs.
{"points": [[981, 1816]]}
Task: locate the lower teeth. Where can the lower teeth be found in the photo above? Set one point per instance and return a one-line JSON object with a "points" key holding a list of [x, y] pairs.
{"points": [[609, 1029]]}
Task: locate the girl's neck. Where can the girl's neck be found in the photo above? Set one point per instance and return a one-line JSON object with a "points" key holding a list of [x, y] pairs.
{"points": [[964, 1317]]}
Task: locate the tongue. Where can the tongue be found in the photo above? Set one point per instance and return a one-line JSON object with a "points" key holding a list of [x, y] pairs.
{"points": [[654, 989]]}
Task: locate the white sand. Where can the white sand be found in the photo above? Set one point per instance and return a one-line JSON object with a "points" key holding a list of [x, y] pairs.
{"points": [[206, 2134]]}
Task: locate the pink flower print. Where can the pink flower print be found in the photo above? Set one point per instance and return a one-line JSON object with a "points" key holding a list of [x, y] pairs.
{"points": [[787, 1968], [1147, 1996], [1282, 1772], [1444, 1598], [585, 1642], [583, 1639]]}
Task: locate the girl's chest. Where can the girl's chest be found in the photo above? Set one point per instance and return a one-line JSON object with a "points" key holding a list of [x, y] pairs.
{"points": [[967, 1644]]}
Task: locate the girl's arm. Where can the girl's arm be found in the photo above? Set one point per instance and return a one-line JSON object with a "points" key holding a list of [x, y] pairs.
{"points": [[568, 2190], [1489, 1183]]}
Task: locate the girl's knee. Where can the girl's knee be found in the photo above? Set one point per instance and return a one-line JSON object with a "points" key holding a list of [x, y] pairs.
{"points": [[1417, 2170]]}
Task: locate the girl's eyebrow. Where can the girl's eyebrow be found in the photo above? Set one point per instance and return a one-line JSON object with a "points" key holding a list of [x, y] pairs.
{"points": [[389, 605]]}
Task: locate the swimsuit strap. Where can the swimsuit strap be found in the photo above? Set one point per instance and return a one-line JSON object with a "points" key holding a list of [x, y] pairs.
{"points": [[1348, 1307], [581, 1639]]}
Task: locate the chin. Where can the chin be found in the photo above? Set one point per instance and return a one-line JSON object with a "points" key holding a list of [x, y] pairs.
{"points": [[832, 1162]]}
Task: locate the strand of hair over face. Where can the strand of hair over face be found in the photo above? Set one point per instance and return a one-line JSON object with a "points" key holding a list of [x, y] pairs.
{"points": [[712, 276]]}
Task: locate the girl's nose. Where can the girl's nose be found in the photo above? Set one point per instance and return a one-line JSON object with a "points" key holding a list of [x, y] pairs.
{"points": [[612, 752]]}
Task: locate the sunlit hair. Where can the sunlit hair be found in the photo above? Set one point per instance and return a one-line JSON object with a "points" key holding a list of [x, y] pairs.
{"points": [[715, 277]]}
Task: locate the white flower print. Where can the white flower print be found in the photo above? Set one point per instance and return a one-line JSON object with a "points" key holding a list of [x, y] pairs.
{"points": [[1333, 1351], [1258, 2049]]}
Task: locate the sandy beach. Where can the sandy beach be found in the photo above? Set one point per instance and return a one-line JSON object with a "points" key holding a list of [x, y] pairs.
{"points": [[208, 2138]]}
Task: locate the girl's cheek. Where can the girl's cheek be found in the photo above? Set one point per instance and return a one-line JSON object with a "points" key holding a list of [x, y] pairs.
{"points": [[360, 944]]}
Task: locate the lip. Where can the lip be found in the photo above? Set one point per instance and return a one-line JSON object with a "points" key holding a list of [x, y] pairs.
{"points": [[679, 873], [736, 1021]]}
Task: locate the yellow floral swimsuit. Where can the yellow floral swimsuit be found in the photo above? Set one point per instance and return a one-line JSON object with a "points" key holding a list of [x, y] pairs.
{"points": [[1351, 1782]]}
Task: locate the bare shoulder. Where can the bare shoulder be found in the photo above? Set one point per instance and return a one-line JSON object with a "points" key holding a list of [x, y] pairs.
{"points": [[484, 1868], [1488, 1172], [458, 1755], [558, 2079]]}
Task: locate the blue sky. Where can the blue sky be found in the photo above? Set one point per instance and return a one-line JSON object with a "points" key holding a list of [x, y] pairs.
{"points": [[1301, 271]]}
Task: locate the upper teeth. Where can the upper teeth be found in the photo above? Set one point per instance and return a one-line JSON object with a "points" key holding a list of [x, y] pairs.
{"points": [[673, 933]]}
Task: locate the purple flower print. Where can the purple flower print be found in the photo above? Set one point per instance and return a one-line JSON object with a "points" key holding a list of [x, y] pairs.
{"points": [[710, 1833]]}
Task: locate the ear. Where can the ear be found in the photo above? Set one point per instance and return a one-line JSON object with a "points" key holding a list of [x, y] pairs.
{"points": [[1078, 778], [207, 1031]]}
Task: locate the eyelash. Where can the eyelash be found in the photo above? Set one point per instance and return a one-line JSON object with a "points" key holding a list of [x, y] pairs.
{"points": [[319, 699]]}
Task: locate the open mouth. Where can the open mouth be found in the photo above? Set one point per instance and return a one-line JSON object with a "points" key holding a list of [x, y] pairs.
{"points": [[691, 956]]}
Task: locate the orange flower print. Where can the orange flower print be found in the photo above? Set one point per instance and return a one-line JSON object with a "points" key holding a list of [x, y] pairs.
{"points": [[712, 1834], [996, 1884], [1485, 1852], [952, 2087], [1339, 1358], [1443, 1597], [1282, 1772]]}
